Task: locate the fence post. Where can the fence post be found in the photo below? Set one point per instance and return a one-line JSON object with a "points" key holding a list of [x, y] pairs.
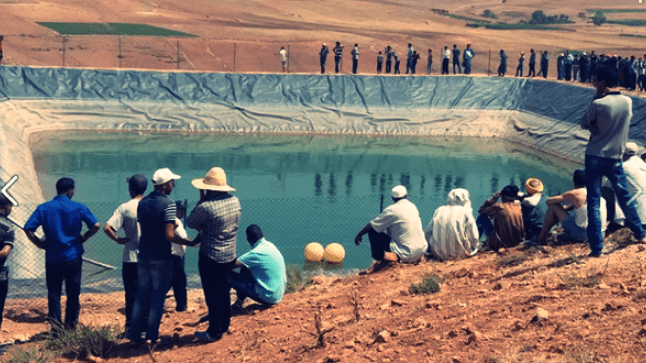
{"points": [[120, 54], [234, 57], [64, 40], [381, 204], [289, 57], [178, 54], [489, 65]]}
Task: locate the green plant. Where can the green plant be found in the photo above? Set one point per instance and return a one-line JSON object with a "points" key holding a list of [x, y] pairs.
{"points": [[430, 284], [629, 22], [512, 260], [572, 281], [489, 14], [297, 279], [598, 18], [527, 348], [80, 342], [31, 355]]}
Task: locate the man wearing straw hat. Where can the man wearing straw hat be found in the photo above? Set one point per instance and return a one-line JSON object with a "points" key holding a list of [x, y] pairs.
{"points": [[216, 217]]}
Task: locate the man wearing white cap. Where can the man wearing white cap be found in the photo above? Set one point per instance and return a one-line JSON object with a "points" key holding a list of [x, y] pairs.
{"points": [[396, 234], [156, 214], [216, 217], [635, 170]]}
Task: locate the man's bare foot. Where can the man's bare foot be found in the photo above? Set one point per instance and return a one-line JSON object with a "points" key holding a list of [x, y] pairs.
{"points": [[375, 267], [391, 256]]}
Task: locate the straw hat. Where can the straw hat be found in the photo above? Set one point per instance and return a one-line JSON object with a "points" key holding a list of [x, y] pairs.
{"points": [[215, 179], [531, 190]]}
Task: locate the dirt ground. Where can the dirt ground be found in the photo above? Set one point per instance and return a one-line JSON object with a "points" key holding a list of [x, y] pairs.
{"points": [[486, 310], [246, 35], [551, 304]]}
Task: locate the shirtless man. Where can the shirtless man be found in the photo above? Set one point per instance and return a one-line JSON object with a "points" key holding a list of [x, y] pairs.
{"points": [[569, 208]]}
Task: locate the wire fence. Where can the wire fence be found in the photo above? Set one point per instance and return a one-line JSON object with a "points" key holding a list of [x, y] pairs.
{"points": [[207, 54], [288, 223]]}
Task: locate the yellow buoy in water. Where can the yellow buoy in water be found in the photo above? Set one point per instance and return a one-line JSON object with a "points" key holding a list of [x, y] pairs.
{"points": [[334, 253], [313, 252]]}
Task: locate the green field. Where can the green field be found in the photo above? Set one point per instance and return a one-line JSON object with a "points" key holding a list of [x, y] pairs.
{"points": [[112, 29], [516, 26], [610, 11], [629, 22]]}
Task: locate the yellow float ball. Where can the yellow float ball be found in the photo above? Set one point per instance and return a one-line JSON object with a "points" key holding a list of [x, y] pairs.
{"points": [[334, 253], [313, 252]]}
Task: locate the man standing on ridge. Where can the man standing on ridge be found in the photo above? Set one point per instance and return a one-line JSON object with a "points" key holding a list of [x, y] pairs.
{"points": [[456, 59], [467, 57], [608, 120], [355, 58], [338, 54], [323, 56], [62, 221]]}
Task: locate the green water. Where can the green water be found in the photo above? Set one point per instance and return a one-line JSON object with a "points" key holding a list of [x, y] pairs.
{"points": [[297, 188]]}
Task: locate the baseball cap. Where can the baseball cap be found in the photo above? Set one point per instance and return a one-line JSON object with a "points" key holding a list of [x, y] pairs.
{"points": [[163, 176], [138, 181], [399, 192]]}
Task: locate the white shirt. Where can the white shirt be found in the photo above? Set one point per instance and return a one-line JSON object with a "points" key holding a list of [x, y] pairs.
{"points": [[180, 231], [404, 227], [283, 55], [635, 170], [126, 217], [452, 233], [447, 53]]}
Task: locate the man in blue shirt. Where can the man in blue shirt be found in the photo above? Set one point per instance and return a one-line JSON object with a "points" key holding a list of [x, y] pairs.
{"points": [[262, 275], [62, 221]]}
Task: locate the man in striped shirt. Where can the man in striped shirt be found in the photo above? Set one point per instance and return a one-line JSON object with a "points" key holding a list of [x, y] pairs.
{"points": [[216, 217]]}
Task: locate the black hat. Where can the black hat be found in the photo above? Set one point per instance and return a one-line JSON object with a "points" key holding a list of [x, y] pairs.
{"points": [[137, 181], [510, 192]]}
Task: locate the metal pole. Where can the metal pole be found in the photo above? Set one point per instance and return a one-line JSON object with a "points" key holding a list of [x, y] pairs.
{"points": [[64, 39], [234, 57], [178, 54], [381, 204], [289, 56], [489, 66], [120, 54]]}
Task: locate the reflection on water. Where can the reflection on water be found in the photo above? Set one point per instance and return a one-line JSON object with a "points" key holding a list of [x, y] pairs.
{"points": [[290, 185]]}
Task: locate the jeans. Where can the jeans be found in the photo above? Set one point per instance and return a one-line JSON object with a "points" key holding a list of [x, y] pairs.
{"points": [[595, 168], [215, 283], [153, 278], [337, 60], [55, 274], [485, 225], [4, 287], [129, 276], [245, 285], [178, 282], [456, 62], [355, 65], [379, 244], [323, 59]]}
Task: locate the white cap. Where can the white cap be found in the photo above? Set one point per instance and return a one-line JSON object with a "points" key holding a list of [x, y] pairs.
{"points": [[163, 176], [399, 192], [631, 148]]}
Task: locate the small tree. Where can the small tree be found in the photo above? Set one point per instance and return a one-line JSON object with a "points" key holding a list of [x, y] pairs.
{"points": [[582, 15], [489, 14], [538, 17], [598, 18]]}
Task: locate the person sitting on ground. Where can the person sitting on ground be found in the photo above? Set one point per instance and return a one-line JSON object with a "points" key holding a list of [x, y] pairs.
{"points": [[635, 170], [404, 240], [262, 275], [507, 227], [533, 207], [452, 233], [569, 208]]}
